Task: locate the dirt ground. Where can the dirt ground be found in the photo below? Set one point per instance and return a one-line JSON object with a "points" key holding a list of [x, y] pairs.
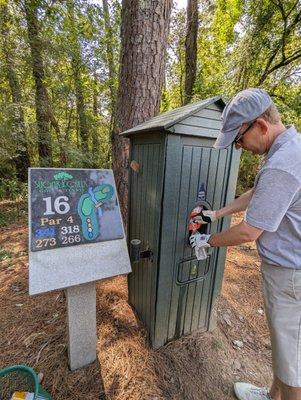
{"points": [[196, 367]]}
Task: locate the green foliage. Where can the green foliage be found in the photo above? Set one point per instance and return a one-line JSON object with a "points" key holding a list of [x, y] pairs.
{"points": [[12, 189], [242, 44], [249, 165], [82, 41], [5, 254], [13, 212], [174, 92]]}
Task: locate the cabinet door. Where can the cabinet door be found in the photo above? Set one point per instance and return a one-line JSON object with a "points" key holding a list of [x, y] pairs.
{"points": [[187, 283], [144, 221]]}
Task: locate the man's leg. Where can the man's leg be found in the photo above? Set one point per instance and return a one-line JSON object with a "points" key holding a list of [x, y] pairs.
{"points": [[275, 391], [289, 392], [282, 299]]}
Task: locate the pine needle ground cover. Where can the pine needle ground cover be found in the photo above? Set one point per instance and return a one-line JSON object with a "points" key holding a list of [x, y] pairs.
{"points": [[33, 332]]}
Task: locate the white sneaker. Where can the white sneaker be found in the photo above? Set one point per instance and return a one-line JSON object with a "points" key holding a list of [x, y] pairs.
{"points": [[246, 391]]}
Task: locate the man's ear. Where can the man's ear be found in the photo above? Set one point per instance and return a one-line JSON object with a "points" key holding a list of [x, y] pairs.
{"points": [[263, 124]]}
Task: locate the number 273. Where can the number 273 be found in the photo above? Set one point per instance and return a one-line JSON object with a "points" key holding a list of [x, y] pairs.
{"points": [[45, 242]]}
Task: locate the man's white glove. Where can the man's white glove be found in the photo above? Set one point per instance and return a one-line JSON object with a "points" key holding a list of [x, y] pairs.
{"points": [[205, 217], [199, 242]]}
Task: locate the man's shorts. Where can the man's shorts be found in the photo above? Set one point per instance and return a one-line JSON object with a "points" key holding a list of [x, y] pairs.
{"points": [[282, 298]]}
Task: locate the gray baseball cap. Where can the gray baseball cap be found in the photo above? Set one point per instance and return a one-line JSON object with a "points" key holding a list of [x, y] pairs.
{"points": [[246, 106]]}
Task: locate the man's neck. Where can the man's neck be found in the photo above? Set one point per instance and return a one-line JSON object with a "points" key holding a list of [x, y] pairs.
{"points": [[276, 131]]}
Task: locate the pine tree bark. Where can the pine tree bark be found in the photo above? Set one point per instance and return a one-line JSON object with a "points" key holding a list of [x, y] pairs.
{"points": [[22, 161], [95, 131], [191, 48], [41, 95], [110, 60], [77, 65], [144, 30]]}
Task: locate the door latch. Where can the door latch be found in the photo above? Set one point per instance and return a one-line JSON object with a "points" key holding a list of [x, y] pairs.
{"points": [[136, 254]]}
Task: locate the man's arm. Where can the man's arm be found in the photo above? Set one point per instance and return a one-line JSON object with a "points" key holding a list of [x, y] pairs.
{"points": [[239, 204], [238, 234]]}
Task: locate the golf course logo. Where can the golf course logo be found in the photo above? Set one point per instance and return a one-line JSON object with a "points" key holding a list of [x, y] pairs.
{"points": [[62, 176], [61, 181]]}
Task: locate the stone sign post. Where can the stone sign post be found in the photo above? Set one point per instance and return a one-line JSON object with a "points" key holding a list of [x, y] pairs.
{"points": [[76, 237]]}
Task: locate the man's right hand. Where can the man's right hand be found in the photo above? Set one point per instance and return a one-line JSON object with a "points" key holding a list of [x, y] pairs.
{"points": [[205, 217]]}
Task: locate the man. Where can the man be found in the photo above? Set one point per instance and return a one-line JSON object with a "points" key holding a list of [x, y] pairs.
{"points": [[273, 219]]}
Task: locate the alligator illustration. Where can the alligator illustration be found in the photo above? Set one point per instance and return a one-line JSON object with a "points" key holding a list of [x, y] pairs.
{"points": [[90, 211]]}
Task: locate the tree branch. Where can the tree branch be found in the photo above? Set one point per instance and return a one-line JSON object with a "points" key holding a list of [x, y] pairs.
{"points": [[287, 30], [293, 7], [282, 63]]}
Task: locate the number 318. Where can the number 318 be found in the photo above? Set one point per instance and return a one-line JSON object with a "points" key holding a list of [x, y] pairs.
{"points": [[69, 229]]}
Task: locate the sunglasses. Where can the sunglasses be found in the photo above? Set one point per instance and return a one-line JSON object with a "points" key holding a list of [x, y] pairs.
{"points": [[237, 140]]}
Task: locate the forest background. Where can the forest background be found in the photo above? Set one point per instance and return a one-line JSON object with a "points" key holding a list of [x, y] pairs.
{"points": [[61, 78]]}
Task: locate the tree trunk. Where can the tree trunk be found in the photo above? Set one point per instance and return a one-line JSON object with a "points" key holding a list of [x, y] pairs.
{"points": [[21, 160], [144, 30], [110, 60], [191, 48], [41, 97], [77, 65], [95, 128]]}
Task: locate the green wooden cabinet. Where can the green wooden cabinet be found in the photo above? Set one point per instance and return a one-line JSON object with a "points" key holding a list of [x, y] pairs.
{"points": [[172, 292]]}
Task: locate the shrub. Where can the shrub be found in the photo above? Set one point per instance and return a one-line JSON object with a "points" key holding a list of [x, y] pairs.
{"points": [[13, 189], [249, 166]]}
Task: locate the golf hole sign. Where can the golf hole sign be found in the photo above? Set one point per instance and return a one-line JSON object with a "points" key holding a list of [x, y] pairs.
{"points": [[72, 207], [74, 220]]}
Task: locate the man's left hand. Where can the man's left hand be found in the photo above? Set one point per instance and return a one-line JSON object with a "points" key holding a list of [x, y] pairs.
{"points": [[199, 242]]}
